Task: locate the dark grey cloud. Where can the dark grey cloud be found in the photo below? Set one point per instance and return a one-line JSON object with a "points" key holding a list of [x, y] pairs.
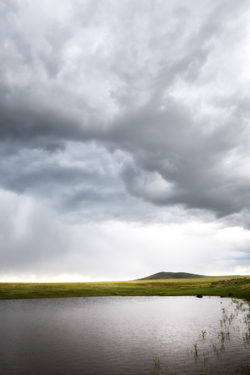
{"points": [[137, 70], [170, 144]]}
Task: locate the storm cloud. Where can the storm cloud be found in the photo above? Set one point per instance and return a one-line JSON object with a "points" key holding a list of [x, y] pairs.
{"points": [[122, 112]]}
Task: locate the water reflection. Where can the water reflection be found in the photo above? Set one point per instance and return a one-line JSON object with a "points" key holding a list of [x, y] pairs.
{"points": [[125, 335], [209, 349]]}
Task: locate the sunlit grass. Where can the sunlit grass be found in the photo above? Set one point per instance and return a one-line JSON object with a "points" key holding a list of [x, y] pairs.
{"points": [[211, 286]]}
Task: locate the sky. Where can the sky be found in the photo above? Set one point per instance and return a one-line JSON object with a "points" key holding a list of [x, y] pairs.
{"points": [[124, 138]]}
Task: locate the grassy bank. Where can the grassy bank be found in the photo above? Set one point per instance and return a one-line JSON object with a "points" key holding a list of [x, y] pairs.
{"points": [[238, 287]]}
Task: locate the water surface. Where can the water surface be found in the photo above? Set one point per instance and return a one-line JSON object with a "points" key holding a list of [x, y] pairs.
{"points": [[125, 335]]}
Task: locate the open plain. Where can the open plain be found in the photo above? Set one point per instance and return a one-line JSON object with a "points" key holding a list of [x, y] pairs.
{"points": [[231, 286]]}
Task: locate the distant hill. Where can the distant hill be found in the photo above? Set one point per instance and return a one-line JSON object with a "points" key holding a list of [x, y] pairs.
{"points": [[172, 275]]}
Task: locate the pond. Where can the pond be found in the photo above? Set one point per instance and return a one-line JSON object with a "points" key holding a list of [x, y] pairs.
{"points": [[125, 335]]}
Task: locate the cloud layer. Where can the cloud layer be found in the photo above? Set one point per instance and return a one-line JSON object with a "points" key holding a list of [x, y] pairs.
{"points": [[129, 111]]}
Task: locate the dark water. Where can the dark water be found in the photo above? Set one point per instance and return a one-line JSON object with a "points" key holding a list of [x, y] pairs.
{"points": [[125, 335]]}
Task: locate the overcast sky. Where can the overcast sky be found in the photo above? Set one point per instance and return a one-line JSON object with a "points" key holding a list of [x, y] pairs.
{"points": [[124, 138]]}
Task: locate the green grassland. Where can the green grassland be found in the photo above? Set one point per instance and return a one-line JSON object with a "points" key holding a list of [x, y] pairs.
{"points": [[235, 286]]}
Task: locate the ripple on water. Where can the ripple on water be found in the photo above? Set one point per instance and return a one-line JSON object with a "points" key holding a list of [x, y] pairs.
{"points": [[125, 335]]}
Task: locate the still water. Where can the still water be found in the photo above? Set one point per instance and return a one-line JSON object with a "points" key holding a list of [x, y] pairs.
{"points": [[125, 335]]}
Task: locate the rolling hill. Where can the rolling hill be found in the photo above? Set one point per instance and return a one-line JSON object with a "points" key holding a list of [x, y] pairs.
{"points": [[172, 275]]}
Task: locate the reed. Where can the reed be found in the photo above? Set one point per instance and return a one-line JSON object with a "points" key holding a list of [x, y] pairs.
{"points": [[157, 362]]}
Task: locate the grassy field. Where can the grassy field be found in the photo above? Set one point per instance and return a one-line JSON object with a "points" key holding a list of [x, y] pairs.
{"points": [[238, 287]]}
